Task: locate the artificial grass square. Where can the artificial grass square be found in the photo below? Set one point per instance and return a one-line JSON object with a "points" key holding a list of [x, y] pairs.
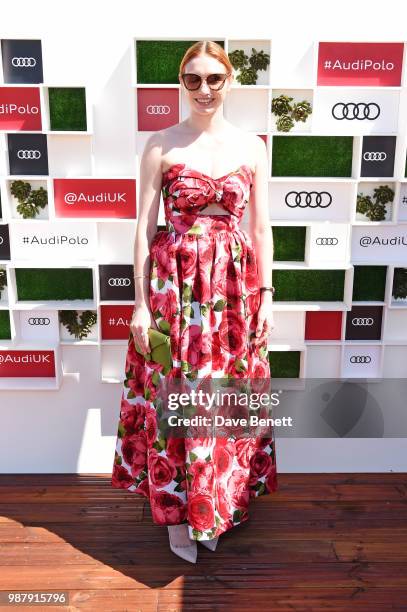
{"points": [[67, 108], [369, 283], [284, 364], [289, 243], [54, 283], [309, 285], [5, 329], [158, 60], [312, 156]]}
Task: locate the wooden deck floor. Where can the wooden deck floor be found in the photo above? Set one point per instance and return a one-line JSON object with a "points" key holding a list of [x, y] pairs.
{"points": [[334, 542]]}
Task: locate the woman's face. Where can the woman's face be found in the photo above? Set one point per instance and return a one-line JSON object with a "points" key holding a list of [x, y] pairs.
{"points": [[205, 100]]}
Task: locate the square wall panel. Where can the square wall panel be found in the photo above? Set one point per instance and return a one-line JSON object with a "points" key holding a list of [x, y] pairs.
{"points": [[41, 325], [157, 108], [22, 61], [364, 323], [361, 360], [378, 156], [247, 109], [323, 325], [116, 282], [329, 243], [395, 326], [70, 156], [288, 326], [323, 361], [28, 153], [395, 361]]}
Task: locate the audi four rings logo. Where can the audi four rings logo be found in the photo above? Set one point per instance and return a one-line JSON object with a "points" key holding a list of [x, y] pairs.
{"points": [[374, 155], [356, 110], [362, 321], [360, 359], [308, 199], [28, 154], [158, 109], [39, 321], [119, 282], [23, 62], [326, 240]]}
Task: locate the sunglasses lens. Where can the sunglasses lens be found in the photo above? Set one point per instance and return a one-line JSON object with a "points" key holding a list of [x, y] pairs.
{"points": [[192, 81], [215, 81]]}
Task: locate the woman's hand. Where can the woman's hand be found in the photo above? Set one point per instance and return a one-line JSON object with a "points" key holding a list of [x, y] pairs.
{"points": [[141, 320], [265, 318]]}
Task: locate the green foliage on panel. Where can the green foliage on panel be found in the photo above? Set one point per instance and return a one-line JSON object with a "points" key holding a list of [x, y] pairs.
{"points": [[399, 289], [29, 200], [247, 67], [5, 330], [78, 325], [3, 280], [67, 108], [54, 284], [289, 243], [158, 61], [309, 285], [369, 283], [284, 364], [312, 156]]}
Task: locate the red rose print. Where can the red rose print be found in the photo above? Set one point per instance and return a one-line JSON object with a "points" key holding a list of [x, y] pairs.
{"points": [[238, 487], [201, 514], [151, 425], [223, 456], [166, 508], [260, 463], [121, 477], [203, 475], [176, 450], [232, 333], [134, 450], [161, 470], [245, 447]]}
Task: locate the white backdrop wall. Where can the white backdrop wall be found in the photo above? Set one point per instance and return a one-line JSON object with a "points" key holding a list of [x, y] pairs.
{"points": [[73, 429]]}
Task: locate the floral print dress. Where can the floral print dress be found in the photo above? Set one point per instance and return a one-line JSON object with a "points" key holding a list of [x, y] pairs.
{"points": [[204, 293]]}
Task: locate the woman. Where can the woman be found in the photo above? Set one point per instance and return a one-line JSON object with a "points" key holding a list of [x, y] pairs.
{"points": [[207, 284]]}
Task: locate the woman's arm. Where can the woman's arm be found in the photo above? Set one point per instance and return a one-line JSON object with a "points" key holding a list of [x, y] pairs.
{"points": [[260, 227], [149, 203]]}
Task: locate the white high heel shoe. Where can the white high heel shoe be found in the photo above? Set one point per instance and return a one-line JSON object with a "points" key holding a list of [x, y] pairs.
{"points": [[180, 543], [211, 544]]}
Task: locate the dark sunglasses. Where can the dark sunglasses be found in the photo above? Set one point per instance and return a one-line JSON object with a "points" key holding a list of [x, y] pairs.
{"points": [[194, 81]]}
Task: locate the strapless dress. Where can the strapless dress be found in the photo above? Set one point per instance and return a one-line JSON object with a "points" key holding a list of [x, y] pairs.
{"points": [[204, 294]]}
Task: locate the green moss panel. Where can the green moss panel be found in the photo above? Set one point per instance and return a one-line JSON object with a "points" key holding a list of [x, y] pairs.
{"points": [[158, 61], [369, 283], [67, 108], [309, 285], [54, 284], [289, 243], [284, 364], [312, 156], [5, 330]]}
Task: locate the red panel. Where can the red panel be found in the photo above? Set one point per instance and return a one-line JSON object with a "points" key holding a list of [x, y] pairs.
{"points": [[20, 363], [352, 63], [95, 197], [115, 321], [20, 109], [323, 325], [157, 108]]}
